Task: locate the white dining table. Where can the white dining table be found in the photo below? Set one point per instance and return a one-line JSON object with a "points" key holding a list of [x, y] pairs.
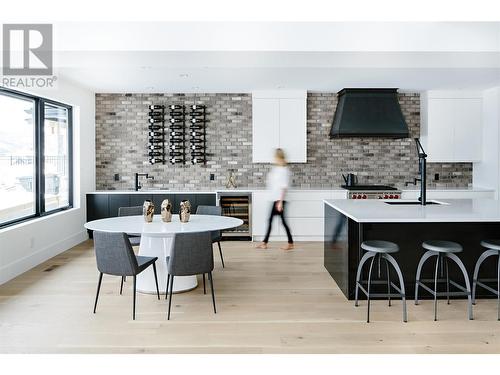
{"points": [[156, 241]]}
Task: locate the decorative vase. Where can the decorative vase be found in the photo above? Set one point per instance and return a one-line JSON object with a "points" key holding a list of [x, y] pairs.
{"points": [[185, 211], [166, 211], [148, 210]]}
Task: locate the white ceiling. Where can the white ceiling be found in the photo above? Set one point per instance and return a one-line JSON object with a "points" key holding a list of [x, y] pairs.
{"points": [[241, 57]]}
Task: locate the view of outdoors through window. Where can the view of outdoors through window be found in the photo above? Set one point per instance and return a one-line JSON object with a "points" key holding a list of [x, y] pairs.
{"points": [[56, 157], [17, 158], [19, 196]]}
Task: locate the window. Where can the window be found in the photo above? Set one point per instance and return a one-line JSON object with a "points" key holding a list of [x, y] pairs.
{"points": [[35, 157]]}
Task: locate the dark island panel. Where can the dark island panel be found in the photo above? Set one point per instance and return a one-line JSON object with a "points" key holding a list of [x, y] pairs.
{"points": [[343, 237]]}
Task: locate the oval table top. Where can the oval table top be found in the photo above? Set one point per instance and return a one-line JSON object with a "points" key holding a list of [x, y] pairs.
{"points": [[135, 225]]}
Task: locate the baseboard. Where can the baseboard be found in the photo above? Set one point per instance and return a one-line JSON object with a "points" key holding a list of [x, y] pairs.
{"points": [[14, 269], [295, 238]]}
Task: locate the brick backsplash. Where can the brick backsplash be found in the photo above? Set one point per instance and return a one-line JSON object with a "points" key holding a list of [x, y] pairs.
{"points": [[121, 139]]}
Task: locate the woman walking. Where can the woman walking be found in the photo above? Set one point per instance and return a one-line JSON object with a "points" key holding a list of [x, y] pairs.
{"points": [[278, 181]]}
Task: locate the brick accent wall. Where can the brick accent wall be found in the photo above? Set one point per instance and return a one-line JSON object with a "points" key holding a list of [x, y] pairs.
{"points": [[121, 139]]}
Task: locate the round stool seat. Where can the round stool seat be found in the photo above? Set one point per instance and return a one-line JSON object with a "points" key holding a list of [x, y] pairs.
{"points": [[378, 246], [491, 244], [442, 246]]}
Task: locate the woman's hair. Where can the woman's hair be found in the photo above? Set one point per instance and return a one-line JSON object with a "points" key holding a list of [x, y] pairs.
{"points": [[279, 154]]}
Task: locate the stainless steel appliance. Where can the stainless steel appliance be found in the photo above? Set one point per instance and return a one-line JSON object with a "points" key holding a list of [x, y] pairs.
{"points": [[372, 192], [238, 205]]}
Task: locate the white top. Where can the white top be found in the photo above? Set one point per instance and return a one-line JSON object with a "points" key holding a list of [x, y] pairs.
{"points": [[277, 180], [453, 210], [136, 225]]}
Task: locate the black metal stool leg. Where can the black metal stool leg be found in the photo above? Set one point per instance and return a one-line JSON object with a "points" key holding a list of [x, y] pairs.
{"points": [[388, 281], [466, 278], [135, 289], [424, 258], [166, 290], [364, 258], [368, 289], [435, 286], [395, 265], [447, 281], [204, 285], [498, 288], [156, 281], [170, 300], [480, 261]]}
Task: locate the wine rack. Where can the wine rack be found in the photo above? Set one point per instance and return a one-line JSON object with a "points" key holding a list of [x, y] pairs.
{"points": [[156, 133], [197, 140], [177, 133]]}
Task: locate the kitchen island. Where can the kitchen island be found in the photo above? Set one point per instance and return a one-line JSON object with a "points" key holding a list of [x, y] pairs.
{"points": [[350, 222]]}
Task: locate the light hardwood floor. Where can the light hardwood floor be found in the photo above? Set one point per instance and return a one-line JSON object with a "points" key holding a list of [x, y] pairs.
{"points": [[269, 301]]}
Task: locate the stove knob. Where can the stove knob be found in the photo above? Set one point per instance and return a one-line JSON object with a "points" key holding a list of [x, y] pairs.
{"points": [[364, 196], [386, 196], [380, 197], [353, 196], [391, 196], [396, 196]]}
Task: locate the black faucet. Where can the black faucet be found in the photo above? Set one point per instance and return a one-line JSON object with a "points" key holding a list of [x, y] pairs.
{"points": [[422, 170], [137, 175]]}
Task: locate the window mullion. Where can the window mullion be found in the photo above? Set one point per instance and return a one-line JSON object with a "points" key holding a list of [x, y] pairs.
{"points": [[40, 173]]}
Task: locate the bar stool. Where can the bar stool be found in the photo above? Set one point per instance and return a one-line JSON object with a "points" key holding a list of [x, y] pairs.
{"points": [[443, 250], [377, 249], [493, 247]]}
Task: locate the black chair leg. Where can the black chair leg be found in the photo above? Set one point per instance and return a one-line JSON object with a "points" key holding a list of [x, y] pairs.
{"points": [[156, 281], [121, 286], [170, 300], [213, 292], [133, 311], [204, 285], [166, 290], [220, 252], [98, 289]]}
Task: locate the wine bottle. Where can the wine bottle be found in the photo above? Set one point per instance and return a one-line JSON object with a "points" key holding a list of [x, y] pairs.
{"points": [[155, 134], [197, 106], [197, 120], [175, 153], [155, 147], [154, 153], [155, 140], [197, 134], [196, 147], [155, 113], [155, 120], [196, 113], [156, 106], [195, 127], [176, 127], [155, 160], [196, 140], [175, 160], [176, 106], [154, 127], [196, 153], [176, 120], [176, 113], [176, 140]]}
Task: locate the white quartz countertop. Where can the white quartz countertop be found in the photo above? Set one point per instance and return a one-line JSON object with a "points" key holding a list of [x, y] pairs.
{"points": [[453, 210]]}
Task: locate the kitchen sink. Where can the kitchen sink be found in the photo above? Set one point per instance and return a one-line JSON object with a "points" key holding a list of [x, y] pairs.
{"points": [[412, 203]]}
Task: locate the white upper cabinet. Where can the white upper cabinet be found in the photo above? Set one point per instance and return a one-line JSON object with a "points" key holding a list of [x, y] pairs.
{"points": [[451, 129], [279, 120]]}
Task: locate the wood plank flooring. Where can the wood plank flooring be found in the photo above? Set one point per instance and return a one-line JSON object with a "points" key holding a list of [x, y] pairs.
{"points": [[269, 301]]}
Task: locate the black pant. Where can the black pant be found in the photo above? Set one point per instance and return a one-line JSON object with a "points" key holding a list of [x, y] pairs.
{"points": [[274, 212]]}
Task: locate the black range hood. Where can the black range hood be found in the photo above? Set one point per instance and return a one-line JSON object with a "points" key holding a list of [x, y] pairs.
{"points": [[368, 113]]}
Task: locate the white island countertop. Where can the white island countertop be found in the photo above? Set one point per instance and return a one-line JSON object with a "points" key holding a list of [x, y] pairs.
{"points": [[452, 210]]}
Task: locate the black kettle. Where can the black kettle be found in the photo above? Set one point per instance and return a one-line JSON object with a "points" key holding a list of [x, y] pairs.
{"points": [[350, 180]]}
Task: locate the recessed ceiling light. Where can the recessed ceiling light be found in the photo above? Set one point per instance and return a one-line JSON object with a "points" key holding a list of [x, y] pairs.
{"points": [[145, 67], [184, 75], [150, 87], [195, 87], [280, 86]]}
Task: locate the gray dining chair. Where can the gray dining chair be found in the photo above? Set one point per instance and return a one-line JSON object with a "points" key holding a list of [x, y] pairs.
{"points": [[191, 254], [216, 234], [115, 256], [131, 211]]}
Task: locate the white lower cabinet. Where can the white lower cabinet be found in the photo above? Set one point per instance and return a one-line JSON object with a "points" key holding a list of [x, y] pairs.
{"points": [[304, 214]]}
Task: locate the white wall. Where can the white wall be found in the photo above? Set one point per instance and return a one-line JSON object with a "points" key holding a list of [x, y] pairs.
{"points": [[26, 245], [486, 173]]}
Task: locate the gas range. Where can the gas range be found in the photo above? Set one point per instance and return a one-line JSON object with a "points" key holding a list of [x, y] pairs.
{"points": [[372, 192]]}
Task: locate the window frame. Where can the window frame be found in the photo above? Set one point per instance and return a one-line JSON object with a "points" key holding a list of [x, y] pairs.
{"points": [[39, 157]]}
